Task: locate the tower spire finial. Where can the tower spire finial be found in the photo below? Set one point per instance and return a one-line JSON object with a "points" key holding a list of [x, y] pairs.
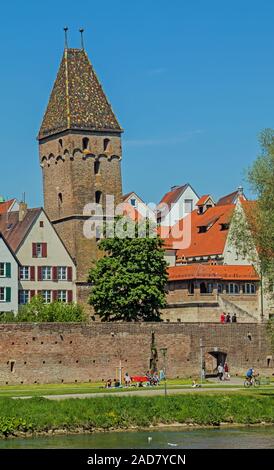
{"points": [[81, 31], [66, 37]]}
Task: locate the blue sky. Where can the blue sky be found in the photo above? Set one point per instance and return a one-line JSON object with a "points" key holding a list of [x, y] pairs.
{"points": [[190, 81]]}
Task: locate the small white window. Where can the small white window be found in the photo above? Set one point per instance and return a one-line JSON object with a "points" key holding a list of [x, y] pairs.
{"points": [[62, 273], [46, 273], [2, 294], [39, 249], [24, 296], [62, 295], [2, 269], [233, 288], [46, 294], [25, 273], [249, 288]]}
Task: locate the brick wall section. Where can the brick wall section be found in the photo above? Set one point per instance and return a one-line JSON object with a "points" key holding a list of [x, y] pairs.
{"points": [[55, 353]]}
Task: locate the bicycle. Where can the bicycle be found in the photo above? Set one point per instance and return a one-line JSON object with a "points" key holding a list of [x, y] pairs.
{"points": [[252, 382]]}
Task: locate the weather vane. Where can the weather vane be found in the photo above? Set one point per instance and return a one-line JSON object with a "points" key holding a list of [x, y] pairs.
{"points": [[81, 31], [66, 37]]}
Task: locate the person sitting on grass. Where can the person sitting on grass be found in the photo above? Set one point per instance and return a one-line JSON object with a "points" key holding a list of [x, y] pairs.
{"points": [[195, 385], [108, 383], [127, 379]]}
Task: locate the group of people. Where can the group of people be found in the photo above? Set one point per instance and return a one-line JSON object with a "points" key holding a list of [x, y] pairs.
{"points": [[153, 379], [223, 371], [227, 318], [109, 382]]}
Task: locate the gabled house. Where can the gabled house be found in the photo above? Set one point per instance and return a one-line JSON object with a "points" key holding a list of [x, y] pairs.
{"points": [[132, 199], [46, 266], [176, 204], [232, 198], [9, 266]]}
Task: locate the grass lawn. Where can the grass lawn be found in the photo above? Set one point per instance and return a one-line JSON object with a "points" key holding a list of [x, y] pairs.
{"points": [[108, 413], [97, 387]]}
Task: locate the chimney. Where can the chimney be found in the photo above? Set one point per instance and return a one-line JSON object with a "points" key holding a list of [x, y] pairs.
{"points": [[23, 207], [240, 190]]}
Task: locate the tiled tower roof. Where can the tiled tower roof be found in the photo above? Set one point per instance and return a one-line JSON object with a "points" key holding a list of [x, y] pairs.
{"points": [[77, 100]]}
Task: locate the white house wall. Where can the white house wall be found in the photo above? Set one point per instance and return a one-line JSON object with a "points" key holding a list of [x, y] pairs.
{"points": [[56, 256], [12, 282]]}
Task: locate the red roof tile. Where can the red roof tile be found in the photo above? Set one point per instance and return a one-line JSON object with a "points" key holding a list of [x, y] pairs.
{"points": [[203, 200], [173, 195], [208, 271], [15, 231], [5, 206], [210, 242]]}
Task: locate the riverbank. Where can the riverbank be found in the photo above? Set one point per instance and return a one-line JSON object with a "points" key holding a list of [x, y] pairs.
{"points": [[40, 416]]}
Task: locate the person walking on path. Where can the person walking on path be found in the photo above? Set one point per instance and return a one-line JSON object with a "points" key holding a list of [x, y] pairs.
{"points": [[234, 318], [220, 371], [222, 317], [227, 318], [226, 374]]}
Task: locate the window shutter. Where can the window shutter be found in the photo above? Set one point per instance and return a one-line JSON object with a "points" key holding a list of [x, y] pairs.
{"points": [[69, 295], [34, 250], [54, 295], [54, 273], [32, 293], [69, 271], [8, 294], [8, 270], [39, 272], [44, 250], [32, 273]]}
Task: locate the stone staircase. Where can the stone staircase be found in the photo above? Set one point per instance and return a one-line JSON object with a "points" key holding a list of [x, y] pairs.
{"points": [[242, 315]]}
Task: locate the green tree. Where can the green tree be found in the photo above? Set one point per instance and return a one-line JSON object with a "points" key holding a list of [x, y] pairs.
{"points": [[252, 228], [129, 281], [37, 311]]}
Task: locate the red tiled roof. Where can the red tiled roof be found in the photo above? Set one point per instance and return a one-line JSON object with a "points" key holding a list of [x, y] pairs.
{"points": [[5, 206], [211, 242], [231, 198], [15, 231], [125, 196], [173, 195], [208, 271], [203, 200]]}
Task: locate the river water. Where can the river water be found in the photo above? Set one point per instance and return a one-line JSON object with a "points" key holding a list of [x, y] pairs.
{"points": [[176, 438]]}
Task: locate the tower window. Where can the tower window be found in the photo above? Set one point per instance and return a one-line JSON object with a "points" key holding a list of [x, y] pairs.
{"points": [[106, 144], [85, 143], [96, 167], [60, 198], [98, 197]]}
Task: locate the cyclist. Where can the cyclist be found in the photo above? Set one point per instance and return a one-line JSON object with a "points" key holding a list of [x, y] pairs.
{"points": [[250, 374]]}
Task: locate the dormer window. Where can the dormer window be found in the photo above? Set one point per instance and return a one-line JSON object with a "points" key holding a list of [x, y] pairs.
{"points": [[224, 226], [133, 202], [85, 143], [202, 229]]}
